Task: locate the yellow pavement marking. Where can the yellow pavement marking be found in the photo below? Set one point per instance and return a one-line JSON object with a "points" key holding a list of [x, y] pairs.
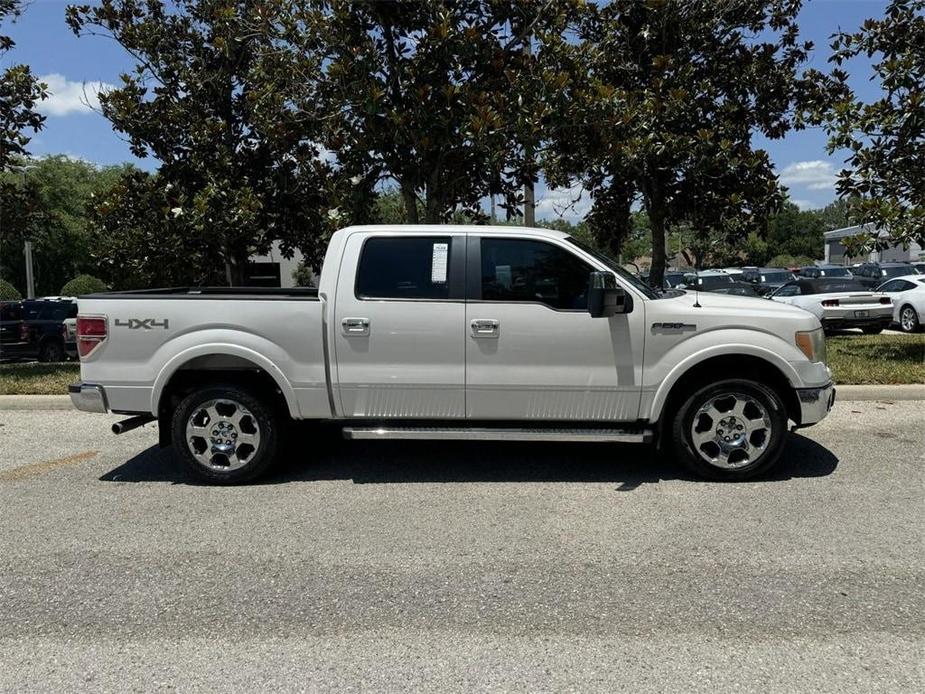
{"points": [[18, 473]]}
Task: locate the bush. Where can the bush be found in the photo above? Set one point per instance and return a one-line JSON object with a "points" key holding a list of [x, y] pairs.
{"points": [[8, 292], [784, 260], [302, 276], [83, 284]]}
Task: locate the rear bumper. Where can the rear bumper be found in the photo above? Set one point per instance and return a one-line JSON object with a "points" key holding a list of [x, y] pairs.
{"points": [[815, 403], [88, 397]]}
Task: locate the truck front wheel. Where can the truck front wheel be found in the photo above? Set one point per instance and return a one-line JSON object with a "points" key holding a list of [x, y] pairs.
{"points": [[730, 430], [225, 434]]}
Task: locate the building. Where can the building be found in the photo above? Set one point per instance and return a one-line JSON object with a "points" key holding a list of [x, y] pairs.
{"points": [[835, 252], [272, 269]]}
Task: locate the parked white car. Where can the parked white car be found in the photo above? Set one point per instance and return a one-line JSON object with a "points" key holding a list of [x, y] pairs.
{"points": [[839, 303], [908, 294], [456, 332]]}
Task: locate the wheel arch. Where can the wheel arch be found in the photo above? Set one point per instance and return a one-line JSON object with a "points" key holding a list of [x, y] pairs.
{"points": [[687, 377], [217, 363]]}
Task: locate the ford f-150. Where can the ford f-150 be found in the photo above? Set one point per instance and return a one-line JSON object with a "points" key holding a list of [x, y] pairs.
{"points": [[456, 332]]}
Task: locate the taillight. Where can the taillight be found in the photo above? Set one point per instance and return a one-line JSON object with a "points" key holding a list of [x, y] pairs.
{"points": [[830, 302], [90, 333]]}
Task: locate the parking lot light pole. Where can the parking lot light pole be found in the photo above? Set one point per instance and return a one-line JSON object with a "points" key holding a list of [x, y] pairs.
{"points": [[30, 278]]}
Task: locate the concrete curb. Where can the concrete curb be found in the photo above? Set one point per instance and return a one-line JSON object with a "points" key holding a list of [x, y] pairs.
{"points": [[856, 393]]}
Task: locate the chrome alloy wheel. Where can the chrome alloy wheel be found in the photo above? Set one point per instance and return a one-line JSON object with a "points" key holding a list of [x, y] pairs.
{"points": [[222, 434], [731, 430], [907, 319]]}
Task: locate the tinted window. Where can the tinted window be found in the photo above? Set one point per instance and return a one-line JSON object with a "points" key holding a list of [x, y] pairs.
{"points": [[404, 268], [534, 271], [776, 277], [10, 312], [714, 280], [836, 272], [837, 286], [788, 290], [896, 271], [891, 286]]}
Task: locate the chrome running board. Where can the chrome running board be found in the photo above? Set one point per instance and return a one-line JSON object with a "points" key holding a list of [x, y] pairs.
{"points": [[499, 434]]}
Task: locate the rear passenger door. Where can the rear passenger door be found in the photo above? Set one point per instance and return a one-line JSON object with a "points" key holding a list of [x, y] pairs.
{"points": [[399, 316]]}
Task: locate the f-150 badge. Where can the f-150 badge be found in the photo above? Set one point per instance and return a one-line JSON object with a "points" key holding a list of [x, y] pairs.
{"points": [[141, 323]]}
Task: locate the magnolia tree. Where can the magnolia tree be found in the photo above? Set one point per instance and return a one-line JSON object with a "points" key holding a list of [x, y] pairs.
{"points": [[884, 182]]}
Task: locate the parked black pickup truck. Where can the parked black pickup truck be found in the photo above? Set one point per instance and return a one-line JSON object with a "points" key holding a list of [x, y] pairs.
{"points": [[35, 329]]}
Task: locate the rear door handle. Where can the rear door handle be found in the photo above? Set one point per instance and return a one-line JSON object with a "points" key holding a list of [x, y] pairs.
{"points": [[484, 327], [356, 327]]}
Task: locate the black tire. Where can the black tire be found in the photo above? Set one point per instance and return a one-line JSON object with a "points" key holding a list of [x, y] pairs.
{"points": [[872, 330], [51, 350], [260, 418], [771, 444], [909, 320]]}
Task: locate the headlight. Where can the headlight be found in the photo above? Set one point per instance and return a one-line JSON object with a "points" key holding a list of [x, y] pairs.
{"points": [[812, 344]]}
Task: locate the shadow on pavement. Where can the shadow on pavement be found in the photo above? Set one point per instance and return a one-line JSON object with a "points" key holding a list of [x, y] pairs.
{"points": [[319, 453]]}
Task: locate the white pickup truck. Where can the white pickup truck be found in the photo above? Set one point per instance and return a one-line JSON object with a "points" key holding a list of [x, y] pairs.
{"points": [[456, 332]]}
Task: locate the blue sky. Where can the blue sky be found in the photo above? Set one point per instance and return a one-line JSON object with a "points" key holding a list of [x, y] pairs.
{"points": [[75, 67]]}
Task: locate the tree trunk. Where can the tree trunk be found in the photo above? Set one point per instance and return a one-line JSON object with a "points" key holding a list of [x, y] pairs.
{"points": [[411, 203], [657, 223]]}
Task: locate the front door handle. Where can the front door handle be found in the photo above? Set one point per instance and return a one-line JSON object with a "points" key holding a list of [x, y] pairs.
{"points": [[484, 327], [355, 327]]}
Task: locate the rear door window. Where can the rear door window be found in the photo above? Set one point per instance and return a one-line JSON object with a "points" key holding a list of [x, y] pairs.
{"points": [[414, 267]]}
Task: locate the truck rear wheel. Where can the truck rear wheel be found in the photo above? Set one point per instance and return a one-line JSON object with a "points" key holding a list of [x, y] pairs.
{"points": [[730, 430], [225, 434]]}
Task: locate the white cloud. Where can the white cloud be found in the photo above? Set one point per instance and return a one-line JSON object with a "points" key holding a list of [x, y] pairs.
{"points": [[812, 175], [805, 204], [66, 97], [571, 203]]}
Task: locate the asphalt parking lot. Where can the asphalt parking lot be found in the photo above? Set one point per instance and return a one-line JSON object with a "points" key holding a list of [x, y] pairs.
{"points": [[385, 567]]}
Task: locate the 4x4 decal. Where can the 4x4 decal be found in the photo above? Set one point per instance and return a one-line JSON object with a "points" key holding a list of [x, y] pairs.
{"points": [[139, 323]]}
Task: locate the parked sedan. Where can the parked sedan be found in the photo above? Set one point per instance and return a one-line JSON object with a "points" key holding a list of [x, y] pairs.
{"points": [[839, 303], [737, 289], [768, 279], [814, 272], [707, 280], [908, 294]]}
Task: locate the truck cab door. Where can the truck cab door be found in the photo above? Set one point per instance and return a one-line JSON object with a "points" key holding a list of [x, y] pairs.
{"points": [[533, 352], [398, 326]]}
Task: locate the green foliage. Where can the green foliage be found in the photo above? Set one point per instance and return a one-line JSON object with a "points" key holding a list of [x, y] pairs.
{"points": [[786, 260], [46, 202], [8, 292], [885, 178], [228, 105], [83, 284], [20, 91], [669, 95], [302, 276], [440, 98]]}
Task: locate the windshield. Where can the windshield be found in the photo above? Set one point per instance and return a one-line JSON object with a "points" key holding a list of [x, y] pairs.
{"points": [[614, 266], [714, 280], [898, 271], [775, 277], [835, 272]]}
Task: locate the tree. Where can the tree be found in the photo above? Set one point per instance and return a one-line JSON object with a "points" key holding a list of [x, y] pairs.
{"points": [[20, 92], [46, 202], [226, 104], [434, 96], [885, 138], [8, 292], [83, 284], [669, 96]]}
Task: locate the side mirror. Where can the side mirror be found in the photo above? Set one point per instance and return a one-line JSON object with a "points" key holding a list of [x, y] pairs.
{"points": [[605, 297]]}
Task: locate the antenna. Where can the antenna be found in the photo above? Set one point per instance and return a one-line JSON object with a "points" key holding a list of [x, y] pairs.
{"points": [[697, 296]]}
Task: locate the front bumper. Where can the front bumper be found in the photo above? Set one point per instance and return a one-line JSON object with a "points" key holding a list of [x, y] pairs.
{"points": [[88, 397], [815, 403]]}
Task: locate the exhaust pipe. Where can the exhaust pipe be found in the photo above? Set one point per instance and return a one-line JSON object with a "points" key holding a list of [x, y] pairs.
{"points": [[132, 423]]}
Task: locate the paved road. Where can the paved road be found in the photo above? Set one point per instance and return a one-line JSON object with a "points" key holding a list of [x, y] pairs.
{"points": [[384, 567]]}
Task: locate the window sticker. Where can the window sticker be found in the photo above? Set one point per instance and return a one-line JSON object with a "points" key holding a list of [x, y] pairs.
{"points": [[439, 262]]}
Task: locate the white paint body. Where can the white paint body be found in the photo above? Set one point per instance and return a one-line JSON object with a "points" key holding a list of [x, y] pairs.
{"points": [[914, 296], [420, 358]]}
